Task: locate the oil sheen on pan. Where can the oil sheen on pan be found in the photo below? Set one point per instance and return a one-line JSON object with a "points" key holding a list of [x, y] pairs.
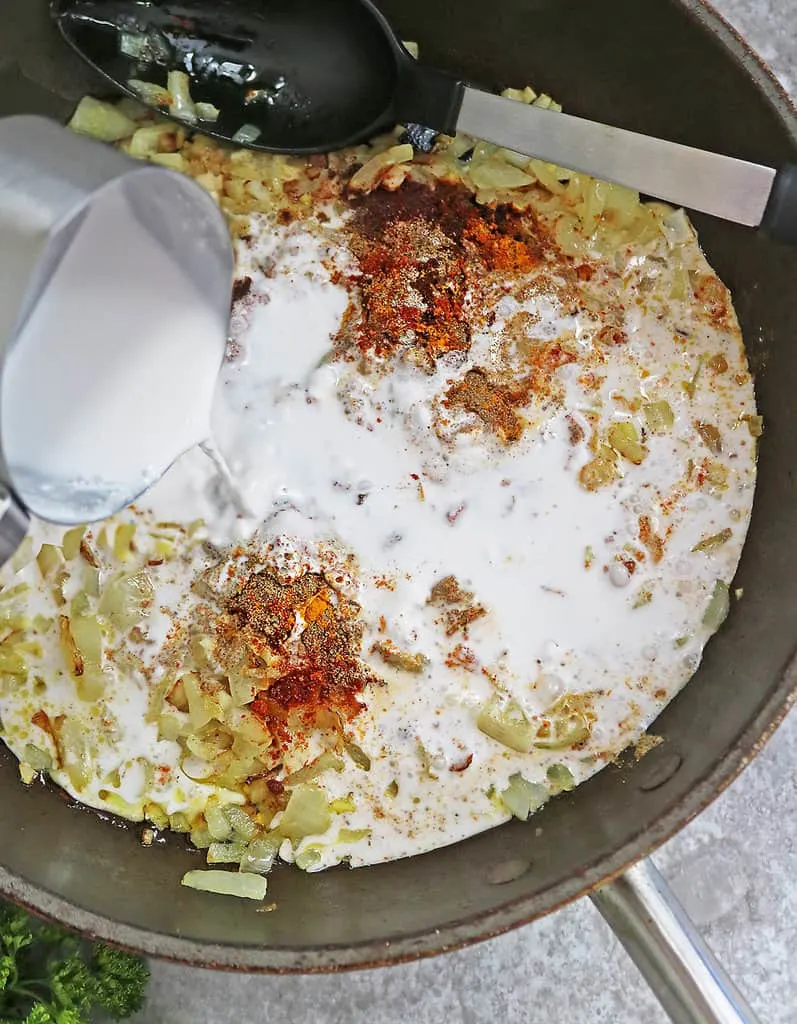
{"points": [[492, 437]]}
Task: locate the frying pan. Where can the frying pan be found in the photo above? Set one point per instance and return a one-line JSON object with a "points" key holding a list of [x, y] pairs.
{"points": [[671, 68]]}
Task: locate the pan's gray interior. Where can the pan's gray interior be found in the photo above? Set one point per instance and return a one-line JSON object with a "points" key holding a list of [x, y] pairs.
{"points": [[661, 67]]}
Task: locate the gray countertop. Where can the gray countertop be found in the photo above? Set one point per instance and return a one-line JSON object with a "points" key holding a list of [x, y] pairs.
{"points": [[733, 868]]}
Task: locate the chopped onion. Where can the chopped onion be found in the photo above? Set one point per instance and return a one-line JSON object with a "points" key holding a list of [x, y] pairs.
{"points": [[49, 559], [172, 161], [127, 599], [70, 545], [326, 762], [718, 607], [560, 778], [38, 759], [226, 853], [498, 174], [150, 93], [261, 854], [144, 144], [676, 228], [179, 85], [368, 176], [227, 883], [207, 112], [504, 720], [624, 439], [218, 823], [247, 133], [309, 859], [659, 417], [353, 835], [241, 822], [307, 814], [522, 798], [569, 721], [101, 121]]}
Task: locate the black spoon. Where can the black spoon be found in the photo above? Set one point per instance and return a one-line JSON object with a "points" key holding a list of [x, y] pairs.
{"points": [[308, 76]]}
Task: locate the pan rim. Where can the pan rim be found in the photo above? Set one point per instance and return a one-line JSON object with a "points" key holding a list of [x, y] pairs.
{"points": [[515, 913]]}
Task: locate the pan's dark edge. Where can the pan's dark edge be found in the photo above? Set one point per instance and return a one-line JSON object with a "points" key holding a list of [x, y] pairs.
{"points": [[426, 944], [516, 912]]}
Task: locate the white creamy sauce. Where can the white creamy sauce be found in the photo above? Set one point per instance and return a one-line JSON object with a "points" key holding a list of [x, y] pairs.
{"points": [[126, 343], [323, 456]]}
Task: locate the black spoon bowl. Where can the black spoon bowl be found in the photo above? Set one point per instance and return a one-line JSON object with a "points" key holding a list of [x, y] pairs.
{"points": [[310, 75]]}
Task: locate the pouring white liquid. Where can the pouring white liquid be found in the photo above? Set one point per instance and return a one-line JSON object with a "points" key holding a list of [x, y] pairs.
{"points": [[112, 377]]}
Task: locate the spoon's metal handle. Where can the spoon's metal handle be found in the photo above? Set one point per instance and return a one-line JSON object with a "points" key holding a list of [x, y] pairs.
{"points": [[683, 973]]}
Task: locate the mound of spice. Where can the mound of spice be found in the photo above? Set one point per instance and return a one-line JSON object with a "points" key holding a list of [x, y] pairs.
{"points": [[427, 258]]}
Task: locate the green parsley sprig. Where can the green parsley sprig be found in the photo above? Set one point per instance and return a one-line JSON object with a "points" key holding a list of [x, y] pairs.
{"points": [[48, 976]]}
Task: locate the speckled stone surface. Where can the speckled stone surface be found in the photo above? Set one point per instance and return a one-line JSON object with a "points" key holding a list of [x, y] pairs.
{"points": [[734, 868]]}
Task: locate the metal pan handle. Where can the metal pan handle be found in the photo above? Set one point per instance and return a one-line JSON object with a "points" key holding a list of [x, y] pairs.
{"points": [[683, 973]]}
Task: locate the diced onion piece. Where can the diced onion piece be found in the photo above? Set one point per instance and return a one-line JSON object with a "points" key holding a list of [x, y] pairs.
{"points": [[218, 823], [368, 176], [504, 720], [203, 707], [624, 439], [172, 161], [522, 798], [242, 824], [70, 545], [498, 174], [227, 883], [101, 121], [127, 599], [226, 853], [247, 133], [676, 228], [144, 145], [71, 652], [261, 854], [73, 751], [718, 607], [755, 424], [207, 112], [88, 637], [156, 814], [307, 814], [309, 859], [568, 721], [561, 778], [38, 759], [243, 689], [716, 540], [358, 755], [8, 594], [49, 559], [326, 762], [150, 93], [658, 416], [411, 48], [118, 805], [200, 837], [353, 835], [179, 85]]}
